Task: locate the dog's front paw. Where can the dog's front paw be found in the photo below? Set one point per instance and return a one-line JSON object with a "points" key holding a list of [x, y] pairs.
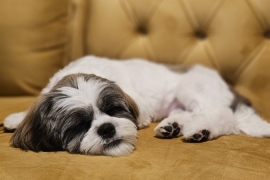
{"points": [[199, 136], [168, 130], [12, 121]]}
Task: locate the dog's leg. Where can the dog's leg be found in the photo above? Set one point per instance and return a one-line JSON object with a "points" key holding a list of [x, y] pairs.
{"points": [[198, 126], [206, 101], [210, 123], [12, 121], [172, 126], [250, 123]]}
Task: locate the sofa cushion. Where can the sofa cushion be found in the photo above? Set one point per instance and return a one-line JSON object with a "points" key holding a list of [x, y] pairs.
{"points": [[33, 37], [228, 157]]}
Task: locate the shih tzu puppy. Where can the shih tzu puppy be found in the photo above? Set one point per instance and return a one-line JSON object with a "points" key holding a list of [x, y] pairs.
{"points": [[95, 106]]}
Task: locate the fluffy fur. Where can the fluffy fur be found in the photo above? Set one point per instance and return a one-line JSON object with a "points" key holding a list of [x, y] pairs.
{"points": [[95, 106]]}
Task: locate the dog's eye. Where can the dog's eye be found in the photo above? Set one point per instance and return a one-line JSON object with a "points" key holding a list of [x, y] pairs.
{"points": [[115, 110]]}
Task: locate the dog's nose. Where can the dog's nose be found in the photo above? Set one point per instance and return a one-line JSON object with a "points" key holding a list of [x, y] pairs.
{"points": [[106, 130]]}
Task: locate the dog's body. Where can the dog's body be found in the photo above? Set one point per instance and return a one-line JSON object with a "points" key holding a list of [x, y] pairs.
{"points": [[82, 110]]}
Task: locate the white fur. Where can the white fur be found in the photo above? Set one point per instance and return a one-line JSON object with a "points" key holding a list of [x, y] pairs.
{"points": [[87, 93], [125, 130], [196, 100], [13, 120]]}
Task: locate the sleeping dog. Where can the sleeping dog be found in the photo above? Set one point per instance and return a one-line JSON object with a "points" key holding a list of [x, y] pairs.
{"points": [[96, 105]]}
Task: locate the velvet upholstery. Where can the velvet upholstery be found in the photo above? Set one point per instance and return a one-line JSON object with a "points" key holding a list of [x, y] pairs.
{"points": [[232, 36]]}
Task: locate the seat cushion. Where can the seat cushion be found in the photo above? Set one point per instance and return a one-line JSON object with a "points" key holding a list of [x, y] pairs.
{"points": [[228, 157]]}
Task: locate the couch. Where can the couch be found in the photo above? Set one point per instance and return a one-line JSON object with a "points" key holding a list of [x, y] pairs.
{"points": [[233, 36]]}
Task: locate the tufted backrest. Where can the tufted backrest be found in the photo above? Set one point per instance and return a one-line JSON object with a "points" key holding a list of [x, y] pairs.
{"points": [[232, 36]]}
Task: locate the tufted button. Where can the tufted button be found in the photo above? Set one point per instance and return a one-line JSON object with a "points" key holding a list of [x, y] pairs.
{"points": [[267, 34], [200, 34], [142, 30]]}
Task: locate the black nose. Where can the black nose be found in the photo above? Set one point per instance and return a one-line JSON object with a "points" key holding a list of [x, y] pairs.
{"points": [[106, 130]]}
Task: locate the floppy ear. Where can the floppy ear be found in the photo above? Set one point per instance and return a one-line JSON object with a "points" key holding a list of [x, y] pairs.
{"points": [[36, 131], [133, 108]]}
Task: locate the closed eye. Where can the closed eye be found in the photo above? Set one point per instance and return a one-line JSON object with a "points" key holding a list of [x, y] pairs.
{"points": [[115, 110]]}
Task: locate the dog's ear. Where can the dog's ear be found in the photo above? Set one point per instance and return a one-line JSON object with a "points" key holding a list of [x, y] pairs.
{"points": [[133, 108], [36, 131]]}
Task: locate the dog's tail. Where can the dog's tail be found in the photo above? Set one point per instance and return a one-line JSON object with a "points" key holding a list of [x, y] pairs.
{"points": [[250, 122]]}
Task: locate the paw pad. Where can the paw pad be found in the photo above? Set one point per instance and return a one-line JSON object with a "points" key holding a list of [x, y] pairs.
{"points": [[200, 136], [171, 130]]}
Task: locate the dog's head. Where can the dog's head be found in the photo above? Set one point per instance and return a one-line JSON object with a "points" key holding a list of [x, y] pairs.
{"points": [[81, 114]]}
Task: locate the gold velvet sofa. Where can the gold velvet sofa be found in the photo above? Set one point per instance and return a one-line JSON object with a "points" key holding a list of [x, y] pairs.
{"points": [[37, 38]]}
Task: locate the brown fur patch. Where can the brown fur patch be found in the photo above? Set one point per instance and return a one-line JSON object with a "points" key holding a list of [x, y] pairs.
{"points": [[132, 105], [23, 136]]}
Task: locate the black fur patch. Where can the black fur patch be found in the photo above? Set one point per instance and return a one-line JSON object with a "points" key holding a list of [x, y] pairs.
{"points": [[48, 127], [114, 103], [239, 99]]}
